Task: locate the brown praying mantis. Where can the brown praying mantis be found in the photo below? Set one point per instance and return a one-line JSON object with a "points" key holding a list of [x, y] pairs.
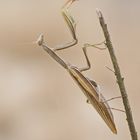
{"points": [[89, 87]]}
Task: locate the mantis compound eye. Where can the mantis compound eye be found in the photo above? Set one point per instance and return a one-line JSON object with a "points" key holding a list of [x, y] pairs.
{"points": [[40, 40]]}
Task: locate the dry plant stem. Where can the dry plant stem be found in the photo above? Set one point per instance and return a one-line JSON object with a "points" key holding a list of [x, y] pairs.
{"points": [[120, 79]]}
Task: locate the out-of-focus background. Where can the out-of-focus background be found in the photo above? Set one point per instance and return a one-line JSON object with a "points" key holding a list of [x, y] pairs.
{"points": [[38, 98]]}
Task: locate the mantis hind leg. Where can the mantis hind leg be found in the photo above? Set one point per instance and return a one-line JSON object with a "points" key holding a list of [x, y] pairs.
{"points": [[118, 97]]}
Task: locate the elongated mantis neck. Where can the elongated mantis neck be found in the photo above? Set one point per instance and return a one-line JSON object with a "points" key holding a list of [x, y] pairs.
{"points": [[55, 56]]}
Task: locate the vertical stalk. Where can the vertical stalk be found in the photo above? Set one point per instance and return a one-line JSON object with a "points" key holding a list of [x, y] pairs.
{"points": [[120, 79]]}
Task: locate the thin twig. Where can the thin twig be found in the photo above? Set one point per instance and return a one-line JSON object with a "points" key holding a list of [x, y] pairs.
{"points": [[120, 79]]}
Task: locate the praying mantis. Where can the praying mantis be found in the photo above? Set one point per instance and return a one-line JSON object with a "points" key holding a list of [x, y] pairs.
{"points": [[89, 87]]}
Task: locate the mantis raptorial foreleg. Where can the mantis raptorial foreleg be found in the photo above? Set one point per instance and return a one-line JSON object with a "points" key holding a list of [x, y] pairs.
{"points": [[71, 24]]}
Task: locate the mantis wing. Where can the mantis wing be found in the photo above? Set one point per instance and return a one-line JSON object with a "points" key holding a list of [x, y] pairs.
{"points": [[89, 88]]}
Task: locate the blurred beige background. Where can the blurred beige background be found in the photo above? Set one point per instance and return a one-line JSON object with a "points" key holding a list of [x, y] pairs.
{"points": [[38, 98]]}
